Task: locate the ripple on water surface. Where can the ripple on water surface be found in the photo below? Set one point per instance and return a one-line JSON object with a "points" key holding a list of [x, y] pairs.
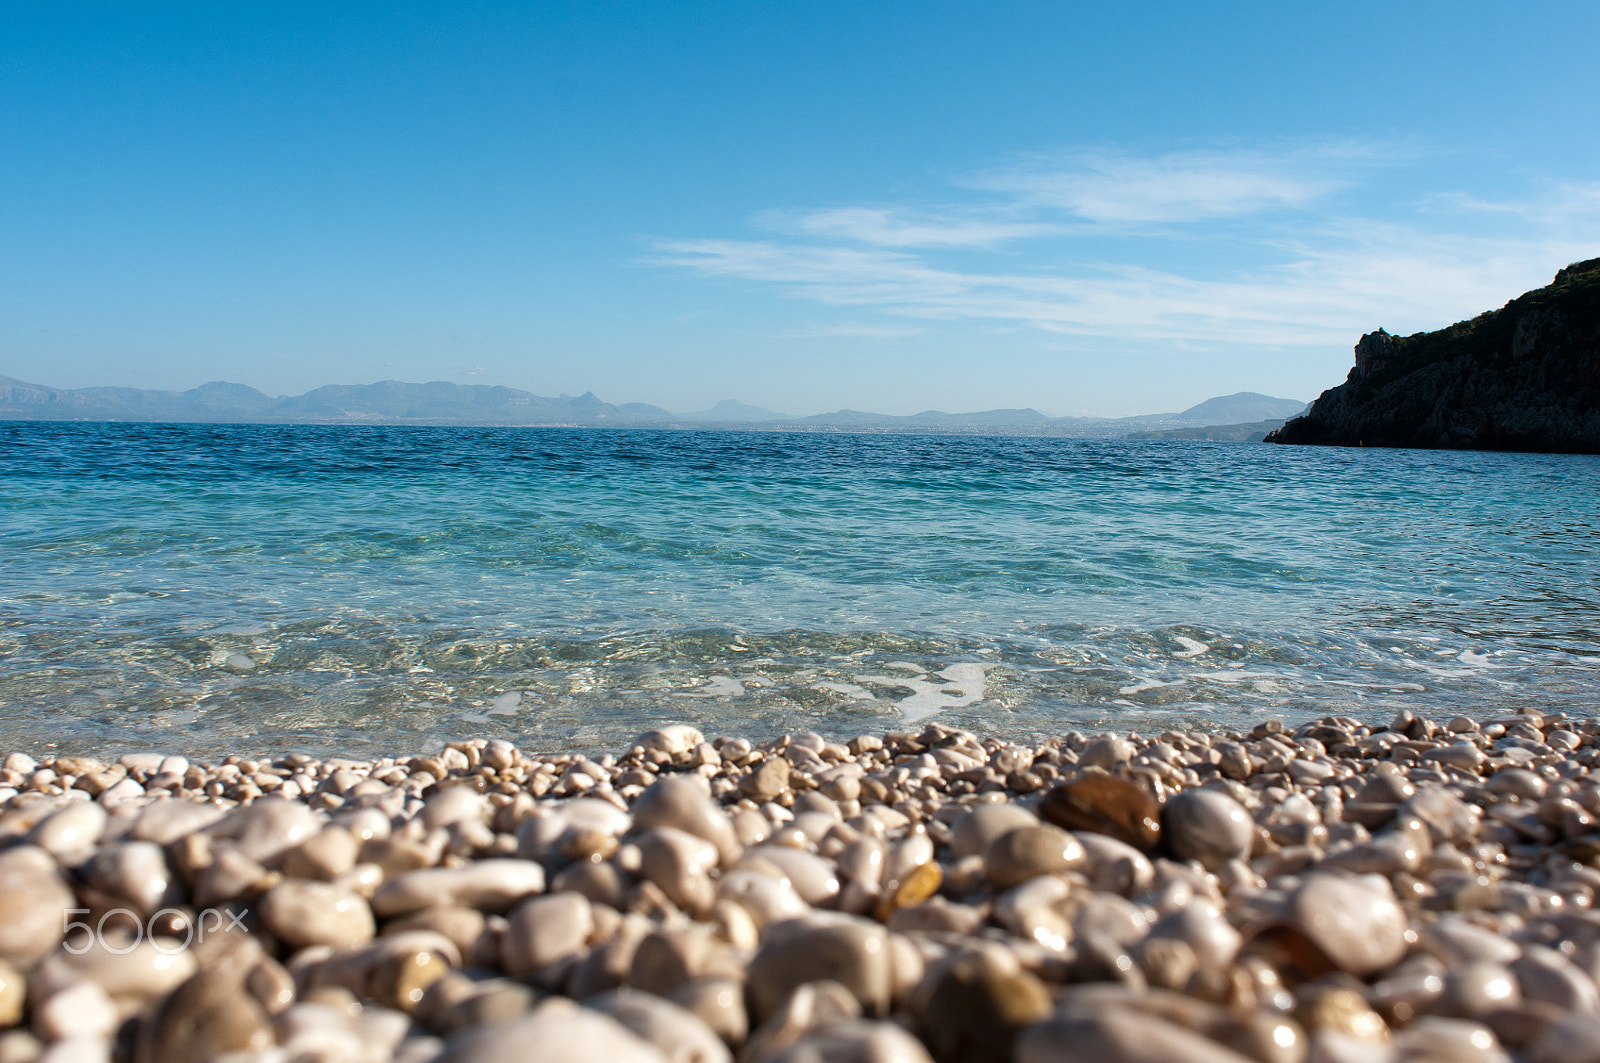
{"points": [[212, 587]]}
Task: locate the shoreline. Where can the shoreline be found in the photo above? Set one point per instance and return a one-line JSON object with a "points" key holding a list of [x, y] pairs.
{"points": [[1343, 890]]}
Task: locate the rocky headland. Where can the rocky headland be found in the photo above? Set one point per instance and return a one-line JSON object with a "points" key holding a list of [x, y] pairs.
{"points": [[1343, 892], [1524, 377]]}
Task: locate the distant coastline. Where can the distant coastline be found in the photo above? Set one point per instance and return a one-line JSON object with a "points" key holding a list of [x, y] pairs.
{"points": [[442, 403]]}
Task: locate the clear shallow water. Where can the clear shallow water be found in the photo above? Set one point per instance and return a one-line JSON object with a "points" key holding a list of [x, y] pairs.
{"points": [[392, 587]]}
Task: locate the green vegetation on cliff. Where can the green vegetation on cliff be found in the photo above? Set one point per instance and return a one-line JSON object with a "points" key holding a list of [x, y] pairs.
{"points": [[1524, 377]]}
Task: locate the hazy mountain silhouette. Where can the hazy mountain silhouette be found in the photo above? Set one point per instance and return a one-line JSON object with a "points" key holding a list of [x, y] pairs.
{"points": [[441, 402]]}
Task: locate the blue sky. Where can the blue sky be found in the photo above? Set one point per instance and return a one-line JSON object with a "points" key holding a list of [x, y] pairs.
{"points": [[1083, 208]]}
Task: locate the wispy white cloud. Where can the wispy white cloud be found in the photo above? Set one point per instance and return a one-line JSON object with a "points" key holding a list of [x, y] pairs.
{"points": [[909, 227], [1115, 187], [1309, 275], [867, 330]]}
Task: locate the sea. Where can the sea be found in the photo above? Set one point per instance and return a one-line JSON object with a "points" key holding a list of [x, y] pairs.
{"points": [[368, 590]]}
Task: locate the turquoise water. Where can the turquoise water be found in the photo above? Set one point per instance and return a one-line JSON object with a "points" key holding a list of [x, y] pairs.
{"points": [[206, 588]]}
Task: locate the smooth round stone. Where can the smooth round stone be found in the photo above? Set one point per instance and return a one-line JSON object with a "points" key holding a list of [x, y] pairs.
{"points": [[1571, 1039], [487, 885], [1115, 866], [717, 1002], [767, 782], [1385, 790], [268, 827], [135, 873], [81, 1010], [1461, 755], [670, 956], [1473, 989], [1167, 962], [603, 883], [1340, 1010], [812, 877], [13, 992], [833, 947], [1545, 974], [70, 833], [324, 856], [1207, 826], [1036, 911], [972, 833], [862, 863], [120, 793], [751, 827], [937, 915], [1119, 919], [766, 898], [1107, 751], [21, 763], [211, 1014], [1449, 1041], [680, 1034], [1028, 852], [541, 834], [1518, 782], [679, 863], [545, 930], [1117, 1036], [674, 740], [905, 856], [33, 903], [325, 1030], [1447, 817], [1454, 941], [607, 964], [394, 969], [1386, 854], [133, 975], [454, 804], [454, 1003], [1355, 921], [302, 912], [914, 889], [810, 1007], [1104, 804], [366, 824], [1206, 931], [854, 1041], [464, 927], [680, 802], [558, 1031], [971, 1005]]}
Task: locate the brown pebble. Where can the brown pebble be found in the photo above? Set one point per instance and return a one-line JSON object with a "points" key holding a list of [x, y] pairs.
{"points": [[545, 930], [1027, 852], [971, 1006], [13, 992], [33, 900], [767, 782], [1105, 804]]}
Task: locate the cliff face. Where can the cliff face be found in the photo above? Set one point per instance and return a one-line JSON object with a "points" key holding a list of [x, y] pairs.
{"points": [[1524, 377]]}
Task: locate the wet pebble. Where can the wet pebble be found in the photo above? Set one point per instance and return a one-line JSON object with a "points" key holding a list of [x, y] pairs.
{"points": [[1104, 804], [1207, 826], [1028, 852]]}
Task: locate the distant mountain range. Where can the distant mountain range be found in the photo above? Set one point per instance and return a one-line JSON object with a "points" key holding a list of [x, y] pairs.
{"points": [[444, 403]]}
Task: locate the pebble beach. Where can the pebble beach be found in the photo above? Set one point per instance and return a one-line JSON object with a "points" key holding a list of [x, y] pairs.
{"points": [[1342, 891]]}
